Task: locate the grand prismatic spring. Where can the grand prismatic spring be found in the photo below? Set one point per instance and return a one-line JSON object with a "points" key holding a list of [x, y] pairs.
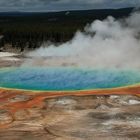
{"points": [[67, 80]]}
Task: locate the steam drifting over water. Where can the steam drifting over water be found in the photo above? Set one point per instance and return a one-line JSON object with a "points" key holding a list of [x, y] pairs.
{"points": [[109, 43], [109, 52]]}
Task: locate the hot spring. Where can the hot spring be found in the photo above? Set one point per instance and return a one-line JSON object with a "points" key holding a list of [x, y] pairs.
{"points": [[66, 79]]}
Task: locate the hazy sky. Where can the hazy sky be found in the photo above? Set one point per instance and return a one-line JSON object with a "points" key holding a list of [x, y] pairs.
{"points": [[57, 5]]}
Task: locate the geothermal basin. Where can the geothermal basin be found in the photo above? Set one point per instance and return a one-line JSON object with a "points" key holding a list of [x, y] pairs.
{"points": [[42, 103]]}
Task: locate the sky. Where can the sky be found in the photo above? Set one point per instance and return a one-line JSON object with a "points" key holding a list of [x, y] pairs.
{"points": [[60, 5]]}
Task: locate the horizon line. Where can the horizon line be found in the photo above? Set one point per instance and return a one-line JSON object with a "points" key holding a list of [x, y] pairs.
{"points": [[67, 10]]}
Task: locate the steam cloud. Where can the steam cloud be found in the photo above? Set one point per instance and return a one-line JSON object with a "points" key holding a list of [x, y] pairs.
{"points": [[109, 43]]}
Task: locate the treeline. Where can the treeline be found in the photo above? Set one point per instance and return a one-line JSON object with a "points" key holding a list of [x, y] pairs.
{"points": [[30, 30]]}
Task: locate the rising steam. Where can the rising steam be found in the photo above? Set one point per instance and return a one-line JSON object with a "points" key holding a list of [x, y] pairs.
{"points": [[109, 43]]}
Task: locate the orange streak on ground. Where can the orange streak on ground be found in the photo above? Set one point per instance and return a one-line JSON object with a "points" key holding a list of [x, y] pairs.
{"points": [[37, 98]]}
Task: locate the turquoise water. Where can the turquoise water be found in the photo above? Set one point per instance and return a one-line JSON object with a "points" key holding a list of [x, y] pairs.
{"points": [[66, 78]]}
